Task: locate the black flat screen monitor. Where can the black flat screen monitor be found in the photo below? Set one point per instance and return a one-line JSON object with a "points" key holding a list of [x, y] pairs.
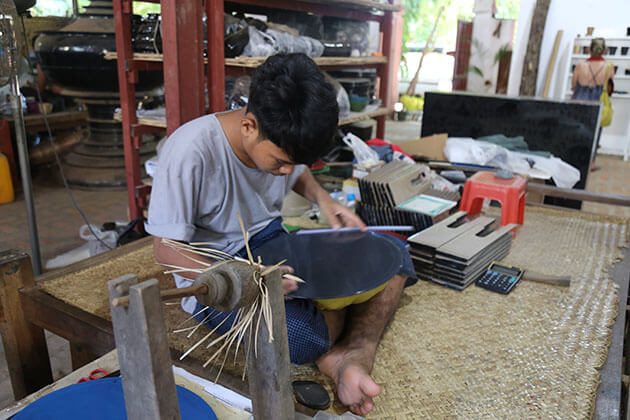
{"points": [[566, 129]]}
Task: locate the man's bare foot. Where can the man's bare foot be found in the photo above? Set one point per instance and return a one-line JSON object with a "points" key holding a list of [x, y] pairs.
{"points": [[355, 387]]}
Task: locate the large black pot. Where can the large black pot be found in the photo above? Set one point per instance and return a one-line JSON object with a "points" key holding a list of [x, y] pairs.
{"points": [[23, 5], [75, 59]]}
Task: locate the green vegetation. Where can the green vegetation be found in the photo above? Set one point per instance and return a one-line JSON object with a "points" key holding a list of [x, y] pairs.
{"points": [[64, 7], [419, 16], [142, 8]]}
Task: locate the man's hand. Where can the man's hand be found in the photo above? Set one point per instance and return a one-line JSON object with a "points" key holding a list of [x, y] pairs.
{"points": [[288, 283], [338, 215]]}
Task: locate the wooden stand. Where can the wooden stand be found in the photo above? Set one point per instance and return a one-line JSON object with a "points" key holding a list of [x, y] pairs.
{"points": [[24, 343], [269, 383], [145, 361]]}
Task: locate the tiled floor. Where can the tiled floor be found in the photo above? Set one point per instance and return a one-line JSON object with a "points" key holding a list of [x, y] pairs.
{"points": [[59, 224]]}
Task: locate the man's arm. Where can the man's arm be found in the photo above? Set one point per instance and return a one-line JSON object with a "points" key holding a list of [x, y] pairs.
{"points": [[167, 256], [337, 215]]}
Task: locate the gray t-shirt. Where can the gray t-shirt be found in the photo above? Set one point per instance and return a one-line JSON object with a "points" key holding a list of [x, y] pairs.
{"points": [[200, 187]]}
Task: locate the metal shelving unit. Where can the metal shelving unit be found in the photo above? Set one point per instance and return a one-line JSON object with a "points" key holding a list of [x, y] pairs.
{"points": [[183, 64]]}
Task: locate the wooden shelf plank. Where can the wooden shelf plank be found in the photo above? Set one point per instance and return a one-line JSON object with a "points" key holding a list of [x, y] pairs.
{"points": [[360, 116], [588, 39], [362, 4], [159, 122], [253, 62], [352, 118], [351, 9], [147, 57], [608, 58]]}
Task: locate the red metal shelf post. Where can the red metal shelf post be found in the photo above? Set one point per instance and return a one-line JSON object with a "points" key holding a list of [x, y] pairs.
{"points": [[127, 78], [182, 43]]}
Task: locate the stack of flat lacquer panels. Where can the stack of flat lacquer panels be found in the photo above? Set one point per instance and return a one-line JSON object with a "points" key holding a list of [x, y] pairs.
{"points": [[457, 251], [384, 189]]}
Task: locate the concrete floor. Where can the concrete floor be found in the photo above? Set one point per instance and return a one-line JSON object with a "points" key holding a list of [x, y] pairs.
{"points": [[59, 224]]}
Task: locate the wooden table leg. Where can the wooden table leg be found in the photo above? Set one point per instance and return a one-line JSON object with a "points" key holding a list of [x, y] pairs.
{"points": [[81, 355], [24, 343]]}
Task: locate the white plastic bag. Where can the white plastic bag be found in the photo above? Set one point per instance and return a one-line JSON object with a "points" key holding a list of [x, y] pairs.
{"points": [[563, 174], [108, 238], [366, 157], [468, 150], [75, 255]]}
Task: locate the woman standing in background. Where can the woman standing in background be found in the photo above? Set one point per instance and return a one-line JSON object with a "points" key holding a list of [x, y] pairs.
{"points": [[590, 77]]}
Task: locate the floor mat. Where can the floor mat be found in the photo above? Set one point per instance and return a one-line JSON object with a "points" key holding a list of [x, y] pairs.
{"points": [[534, 353]]}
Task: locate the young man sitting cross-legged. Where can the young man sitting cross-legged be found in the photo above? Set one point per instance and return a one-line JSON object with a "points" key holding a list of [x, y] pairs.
{"points": [[244, 162]]}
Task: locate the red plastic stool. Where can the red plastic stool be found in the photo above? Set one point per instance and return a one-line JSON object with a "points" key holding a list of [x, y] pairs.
{"points": [[509, 192]]}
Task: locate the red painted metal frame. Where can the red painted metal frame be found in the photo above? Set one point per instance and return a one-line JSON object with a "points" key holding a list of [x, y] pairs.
{"points": [[183, 81], [216, 55], [127, 77], [391, 37], [182, 43], [462, 54], [141, 65]]}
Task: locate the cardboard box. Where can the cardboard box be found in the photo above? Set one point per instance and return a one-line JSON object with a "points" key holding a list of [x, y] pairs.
{"points": [[430, 146]]}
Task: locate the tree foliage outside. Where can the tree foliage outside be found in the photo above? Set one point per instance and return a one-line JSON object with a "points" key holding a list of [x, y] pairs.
{"points": [[63, 8], [419, 16], [508, 9], [142, 8]]}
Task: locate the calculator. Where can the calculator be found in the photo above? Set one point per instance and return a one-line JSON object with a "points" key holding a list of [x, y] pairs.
{"points": [[500, 278]]}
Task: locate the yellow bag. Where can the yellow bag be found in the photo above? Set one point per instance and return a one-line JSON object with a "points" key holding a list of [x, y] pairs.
{"points": [[607, 111]]}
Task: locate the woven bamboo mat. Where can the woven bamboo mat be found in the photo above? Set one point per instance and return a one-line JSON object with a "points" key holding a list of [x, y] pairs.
{"points": [[534, 353]]}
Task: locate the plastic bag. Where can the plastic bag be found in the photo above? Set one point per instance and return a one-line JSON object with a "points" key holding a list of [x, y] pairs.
{"points": [[260, 44], [238, 96], [442, 184], [92, 246], [563, 174], [263, 44], [366, 157], [232, 24], [343, 101], [468, 150], [355, 33], [107, 238]]}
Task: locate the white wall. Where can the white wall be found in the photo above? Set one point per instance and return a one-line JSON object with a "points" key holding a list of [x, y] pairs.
{"points": [[488, 37], [609, 18], [520, 46]]}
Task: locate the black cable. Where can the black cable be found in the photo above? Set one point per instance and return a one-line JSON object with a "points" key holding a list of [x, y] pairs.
{"points": [[54, 147]]}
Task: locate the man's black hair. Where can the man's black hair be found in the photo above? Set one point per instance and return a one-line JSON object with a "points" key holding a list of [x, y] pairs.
{"points": [[294, 105]]}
